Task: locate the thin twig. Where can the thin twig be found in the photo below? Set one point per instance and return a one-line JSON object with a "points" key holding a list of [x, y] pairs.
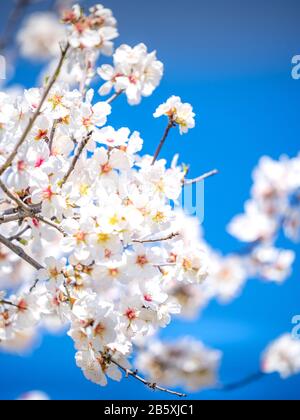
{"points": [[114, 97], [20, 252], [52, 134], [76, 157], [18, 235], [150, 385], [28, 211], [166, 238], [32, 120], [242, 383], [50, 223], [14, 197], [200, 178], [68, 295], [162, 142], [6, 302]]}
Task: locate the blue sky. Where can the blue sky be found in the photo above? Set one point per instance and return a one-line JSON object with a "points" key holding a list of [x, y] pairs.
{"points": [[232, 61]]}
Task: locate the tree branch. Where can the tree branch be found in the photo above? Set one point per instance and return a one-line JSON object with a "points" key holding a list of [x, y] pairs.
{"points": [[14, 197], [18, 235], [32, 120], [200, 178], [255, 377], [52, 134], [114, 97], [150, 385], [77, 155], [20, 252], [6, 302], [147, 241], [162, 142], [51, 224]]}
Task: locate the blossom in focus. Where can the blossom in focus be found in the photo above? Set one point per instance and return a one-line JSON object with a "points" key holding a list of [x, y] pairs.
{"points": [[135, 71], [96, 30], [179, 113]]}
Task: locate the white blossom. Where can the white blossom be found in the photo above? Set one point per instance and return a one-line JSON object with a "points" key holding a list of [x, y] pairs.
{"points": [[282, 356], [179, 113], [135, 71], [40, 36], [186, 363]]}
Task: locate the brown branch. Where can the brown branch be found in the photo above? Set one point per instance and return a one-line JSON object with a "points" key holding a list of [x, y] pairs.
{"points": [[52, 134], [242, 383], [18, 215], [35, 208], [51, 224], [76, 157], [32, 120], [114, 97], [150, 385], [18, 235], [12, 218], [147, 241], [14, 197], [200, 178], [28, 211], [6, 302], [20, 252], [162, 142]]}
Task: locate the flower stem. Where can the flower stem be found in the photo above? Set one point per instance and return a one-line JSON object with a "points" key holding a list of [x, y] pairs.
{"points": [[163, 140]]}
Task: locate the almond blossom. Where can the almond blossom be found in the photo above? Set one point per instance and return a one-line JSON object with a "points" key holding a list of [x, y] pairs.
{"points": [[179, 113], [282, 356], [92, 236], [135, 71], [184, 361]]}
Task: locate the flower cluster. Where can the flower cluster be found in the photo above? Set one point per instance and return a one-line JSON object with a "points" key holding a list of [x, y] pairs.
{"points": [[274, 206], [135, 71], [282, 356], [96, 30], [72, 183], [179, 113], [91, 236], [275, 202], [40, 36], [186, 363]]}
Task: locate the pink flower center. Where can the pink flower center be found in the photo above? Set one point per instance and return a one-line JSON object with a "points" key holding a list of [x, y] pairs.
{"points": [[133, 80], [39, 162], [48, 194], [35, 222], [142, 260], [131, 314], [21, 165], [22, 305], [106, 169]]}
